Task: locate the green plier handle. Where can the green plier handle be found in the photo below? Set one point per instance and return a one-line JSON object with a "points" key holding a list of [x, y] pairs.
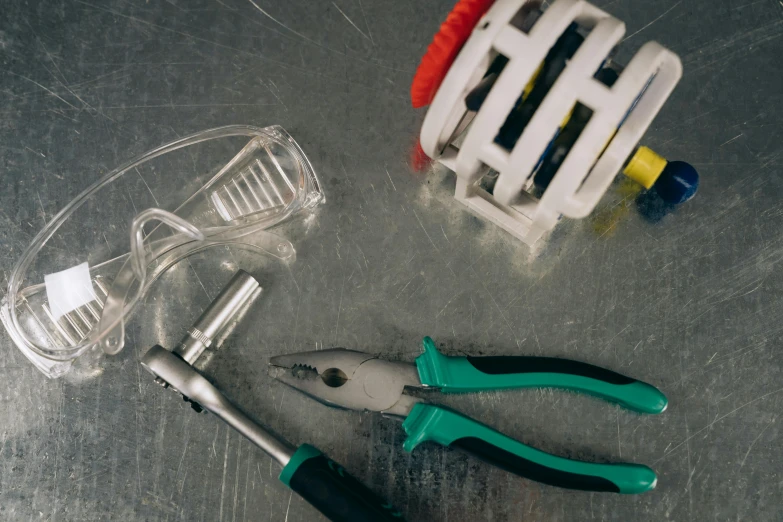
{"points": [[428, 422], [473, 374]]}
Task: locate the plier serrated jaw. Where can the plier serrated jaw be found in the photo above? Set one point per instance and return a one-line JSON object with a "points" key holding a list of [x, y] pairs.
{"points": [[347, 379]]}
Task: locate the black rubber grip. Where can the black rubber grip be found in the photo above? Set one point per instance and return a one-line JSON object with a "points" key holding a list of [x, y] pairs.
{"points": [[504, 364], [340, 497], [531, 470]]}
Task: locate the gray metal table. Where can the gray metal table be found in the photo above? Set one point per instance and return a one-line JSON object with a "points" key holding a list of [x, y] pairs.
{"points": [[690, 304]]}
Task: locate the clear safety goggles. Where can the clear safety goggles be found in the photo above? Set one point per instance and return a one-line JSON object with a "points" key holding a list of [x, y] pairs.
{"points": [[76, 285]]}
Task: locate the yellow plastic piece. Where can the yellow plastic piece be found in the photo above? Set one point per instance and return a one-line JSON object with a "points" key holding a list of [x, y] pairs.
{"points": [[532, 82], [645, 166], [567, 117]]}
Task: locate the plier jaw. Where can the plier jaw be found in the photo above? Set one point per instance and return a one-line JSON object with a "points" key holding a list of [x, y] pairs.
{"points": [[349, 379]]}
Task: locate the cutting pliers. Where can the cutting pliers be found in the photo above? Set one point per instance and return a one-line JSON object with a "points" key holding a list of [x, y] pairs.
{"points": [[360, 381]]}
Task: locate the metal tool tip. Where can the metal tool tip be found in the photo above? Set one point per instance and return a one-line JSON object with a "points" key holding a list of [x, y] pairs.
{"points": [[279, 372]]}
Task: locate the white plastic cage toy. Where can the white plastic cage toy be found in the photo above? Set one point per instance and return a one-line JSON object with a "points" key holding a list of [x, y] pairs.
{"points": [[536, 119]]}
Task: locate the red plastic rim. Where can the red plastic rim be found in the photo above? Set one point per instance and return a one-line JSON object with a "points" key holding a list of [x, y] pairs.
{"points": [[443, 50]]}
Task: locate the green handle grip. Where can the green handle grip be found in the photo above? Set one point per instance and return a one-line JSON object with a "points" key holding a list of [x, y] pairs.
{"points": [[471, 374], [428, 422], [332, 491]]}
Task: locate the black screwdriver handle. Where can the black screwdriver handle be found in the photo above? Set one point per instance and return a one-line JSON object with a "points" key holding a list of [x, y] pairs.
{"points": [[332, 491]]}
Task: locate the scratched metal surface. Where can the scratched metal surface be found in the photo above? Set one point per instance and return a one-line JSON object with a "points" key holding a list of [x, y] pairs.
{"points": [[691, 304]]}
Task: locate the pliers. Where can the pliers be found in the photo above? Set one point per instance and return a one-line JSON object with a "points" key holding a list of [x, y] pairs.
{"points": [[360, 381]]}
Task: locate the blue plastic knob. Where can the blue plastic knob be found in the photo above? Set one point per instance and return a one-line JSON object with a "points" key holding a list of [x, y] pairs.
{"points": [[677, 183]]}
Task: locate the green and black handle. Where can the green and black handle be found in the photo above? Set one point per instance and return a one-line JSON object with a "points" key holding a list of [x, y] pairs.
{"points": [[427, 422], [332, 491]]}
